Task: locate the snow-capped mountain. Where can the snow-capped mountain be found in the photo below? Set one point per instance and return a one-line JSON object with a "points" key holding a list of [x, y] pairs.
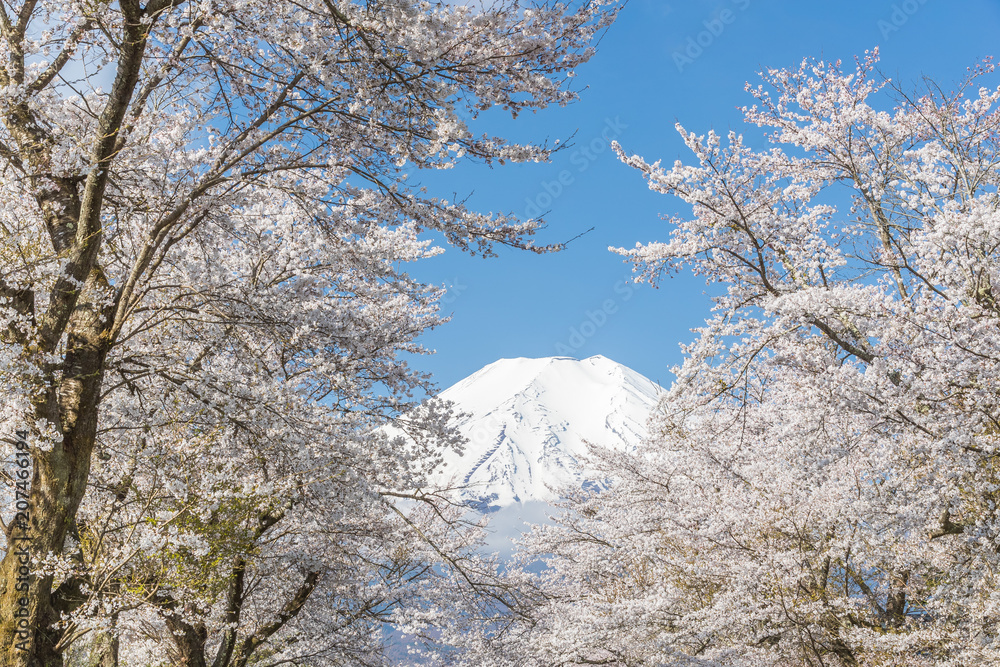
{"points": [[527, 420]]}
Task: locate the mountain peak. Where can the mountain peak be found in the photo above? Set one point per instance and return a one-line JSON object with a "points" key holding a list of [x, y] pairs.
{"points": [[528, 420]]}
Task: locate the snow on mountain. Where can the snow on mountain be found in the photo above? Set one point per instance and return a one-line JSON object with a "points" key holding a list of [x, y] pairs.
{"points": [[527, 420]]}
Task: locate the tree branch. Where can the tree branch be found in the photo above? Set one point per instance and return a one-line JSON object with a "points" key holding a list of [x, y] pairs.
{"points": [[288, 612]]}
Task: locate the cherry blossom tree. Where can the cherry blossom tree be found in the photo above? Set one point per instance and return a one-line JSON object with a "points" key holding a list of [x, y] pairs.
{"points": [[820, 486], [205, 214]]}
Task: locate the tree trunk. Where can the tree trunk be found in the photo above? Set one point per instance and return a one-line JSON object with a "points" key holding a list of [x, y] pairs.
{"points": [[67, 394], [58, 482], [27, 609], [104, 650], [190, 641]]}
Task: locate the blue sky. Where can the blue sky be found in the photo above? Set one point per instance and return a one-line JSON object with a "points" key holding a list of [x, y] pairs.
{"points": [[645, 77]]}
